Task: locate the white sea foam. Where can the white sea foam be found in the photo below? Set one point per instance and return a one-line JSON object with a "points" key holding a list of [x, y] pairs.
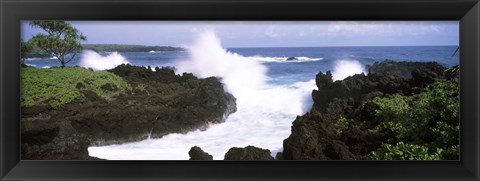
{"points": [[207, 58], [344, 68], [263, 118], [91, 59], [283, 59], [35, 58]]}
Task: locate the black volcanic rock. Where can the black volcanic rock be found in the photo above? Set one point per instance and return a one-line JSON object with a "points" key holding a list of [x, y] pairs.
{"points": [[325, 132], [279, 156], [387, 77], [196, 153], [166, 103], [355, 87], [313, 137], [406, 69], [292, 58], [248, 153]]}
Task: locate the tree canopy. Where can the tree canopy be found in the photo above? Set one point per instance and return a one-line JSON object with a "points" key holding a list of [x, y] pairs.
{"points": [[25, 48], [61, 39]]}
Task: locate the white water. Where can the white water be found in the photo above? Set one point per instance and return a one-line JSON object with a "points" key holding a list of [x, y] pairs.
{"points": [[95, 61], [284, 59], [264, 112], [263, 118], [344, 68]]}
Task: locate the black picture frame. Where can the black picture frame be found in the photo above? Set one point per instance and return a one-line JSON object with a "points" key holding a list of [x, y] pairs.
{"points": [[13, 11]]}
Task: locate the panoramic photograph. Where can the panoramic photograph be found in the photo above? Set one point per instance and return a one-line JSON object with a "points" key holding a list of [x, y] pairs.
{"points": [[240, 90]]}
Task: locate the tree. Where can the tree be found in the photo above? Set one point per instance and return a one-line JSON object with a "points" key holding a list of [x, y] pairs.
{"points": [[61, 40], [25, 48]]}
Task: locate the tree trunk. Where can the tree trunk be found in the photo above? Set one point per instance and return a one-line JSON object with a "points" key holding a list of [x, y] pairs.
{"points": [[62, 60]]}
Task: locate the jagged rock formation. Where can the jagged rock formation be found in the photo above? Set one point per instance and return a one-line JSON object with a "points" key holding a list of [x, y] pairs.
{"points": [[248, 153], [159, 103], [196, 153], [406, 70], [323, 133]]}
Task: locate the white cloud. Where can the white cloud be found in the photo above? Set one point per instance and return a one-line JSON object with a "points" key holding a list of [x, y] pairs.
{"points": [[302, 33], [382, 28], [272, 33], [431, 28], [195, 30], [203, 28], [360, 28], [276, 33]]}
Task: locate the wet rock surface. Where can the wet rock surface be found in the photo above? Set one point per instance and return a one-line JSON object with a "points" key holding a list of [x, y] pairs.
{"points": [[159, 103]]}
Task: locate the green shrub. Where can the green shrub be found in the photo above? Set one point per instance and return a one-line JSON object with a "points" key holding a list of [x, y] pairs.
{"points": [[430, 119], [59, 86], [405, 151], [341, 125]]}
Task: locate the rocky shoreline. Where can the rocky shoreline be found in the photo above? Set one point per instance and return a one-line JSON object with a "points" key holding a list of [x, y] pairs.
{"points": [[161, 103], [318, 135], [341, 124]]}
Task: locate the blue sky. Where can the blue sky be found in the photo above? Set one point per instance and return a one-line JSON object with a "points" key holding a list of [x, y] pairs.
{"points": [[268, 33]]}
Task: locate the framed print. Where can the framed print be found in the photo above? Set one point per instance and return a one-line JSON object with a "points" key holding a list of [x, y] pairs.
{"points": [[214, 90]]}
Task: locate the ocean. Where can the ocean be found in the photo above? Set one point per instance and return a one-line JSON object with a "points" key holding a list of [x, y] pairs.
{"points": [[310, 60], [271, 90]]}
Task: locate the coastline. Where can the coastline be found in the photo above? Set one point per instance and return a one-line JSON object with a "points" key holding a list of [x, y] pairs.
{"points": [[80, 117], [133, 115]]}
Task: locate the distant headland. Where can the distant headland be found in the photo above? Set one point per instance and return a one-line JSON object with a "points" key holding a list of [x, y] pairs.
{"points": [[37, 53], [128, 48]]}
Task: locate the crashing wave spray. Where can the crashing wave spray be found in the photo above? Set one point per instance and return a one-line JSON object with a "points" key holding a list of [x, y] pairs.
{"points": [[264, 112], [207, 58], [95, 61], [344, 68], [243, 77]]}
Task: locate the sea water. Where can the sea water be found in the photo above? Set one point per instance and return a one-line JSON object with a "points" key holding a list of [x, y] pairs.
{"points": [[271, 90]]}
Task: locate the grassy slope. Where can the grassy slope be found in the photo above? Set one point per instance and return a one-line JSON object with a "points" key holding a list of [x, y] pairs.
{"points": [[58, 86]]}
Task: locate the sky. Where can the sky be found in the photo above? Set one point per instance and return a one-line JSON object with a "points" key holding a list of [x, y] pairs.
{"points": [[267, 33]]}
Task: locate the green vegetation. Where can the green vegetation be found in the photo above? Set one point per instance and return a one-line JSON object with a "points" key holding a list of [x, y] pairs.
{"points": [[140, 88], [425, 125], [61, 39], [128, 48], [59, 86], [36, 52], [403, 151], [341, 125]]}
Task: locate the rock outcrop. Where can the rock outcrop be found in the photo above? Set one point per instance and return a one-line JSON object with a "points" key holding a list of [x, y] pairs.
{"points": [[324, 134], [248, 153], [406, 70], [159, 103], [196, 153], [386, 77], [292, 58]]}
